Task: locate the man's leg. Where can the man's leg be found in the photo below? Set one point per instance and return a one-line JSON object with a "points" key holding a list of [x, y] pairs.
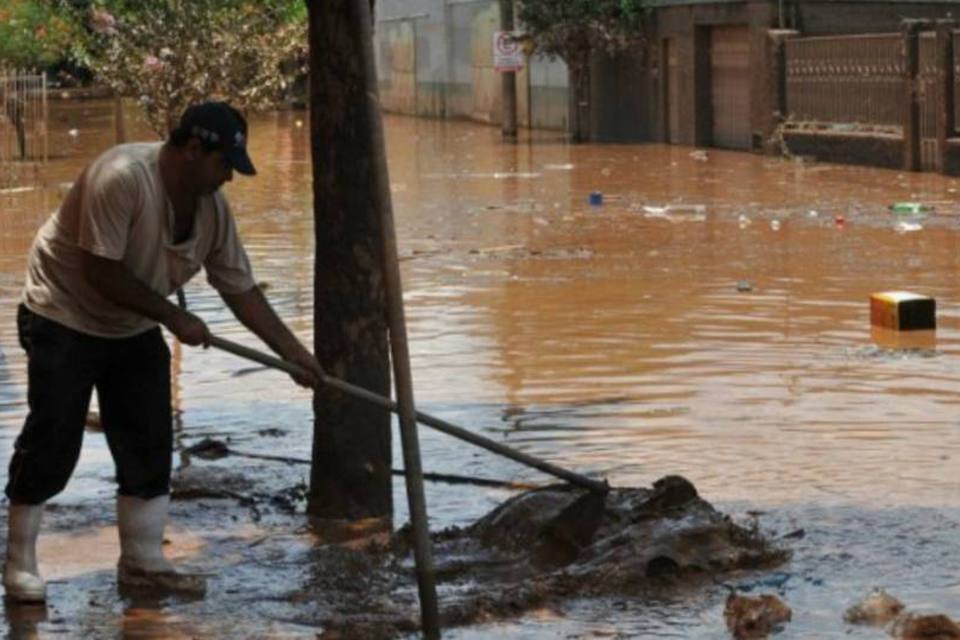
{"points": [[60, 370], [134, 394]]}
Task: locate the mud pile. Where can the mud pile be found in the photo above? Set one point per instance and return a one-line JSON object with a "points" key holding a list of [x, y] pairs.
{"points": [[556, 542]]}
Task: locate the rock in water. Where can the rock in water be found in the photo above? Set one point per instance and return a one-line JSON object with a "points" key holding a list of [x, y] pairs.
{"points": [[755, 617], [878, 608], [917, 627]]}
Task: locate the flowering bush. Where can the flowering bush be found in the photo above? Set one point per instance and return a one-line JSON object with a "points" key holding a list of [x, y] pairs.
{"points": [[171, 53], [32, 34]]}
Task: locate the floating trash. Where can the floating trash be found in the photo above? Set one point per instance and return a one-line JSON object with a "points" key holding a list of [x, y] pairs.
{"points": [[907, 227], [775, 225], [911, 208], [743, 221], [676, 212], [13, 190], [595, 198], [558, 167]]}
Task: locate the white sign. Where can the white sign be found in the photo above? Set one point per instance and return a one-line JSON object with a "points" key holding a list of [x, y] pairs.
{"points": [[507, 52]]}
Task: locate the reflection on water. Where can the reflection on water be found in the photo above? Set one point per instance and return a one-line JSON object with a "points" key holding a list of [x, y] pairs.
{"points": [[613, 339]]}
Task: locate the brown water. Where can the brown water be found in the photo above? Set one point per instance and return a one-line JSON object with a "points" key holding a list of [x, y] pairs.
{"points": [[613, 340]]}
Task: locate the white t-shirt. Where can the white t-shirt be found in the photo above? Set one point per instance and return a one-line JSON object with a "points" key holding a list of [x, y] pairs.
{"points": [[118, 209]]}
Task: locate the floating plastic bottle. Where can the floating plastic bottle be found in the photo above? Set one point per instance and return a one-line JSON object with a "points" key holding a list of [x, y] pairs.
{"points": [[910, 208]]}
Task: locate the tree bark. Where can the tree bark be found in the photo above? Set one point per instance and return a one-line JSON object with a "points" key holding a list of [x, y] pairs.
{"points": [[508, 80], [350, 472], [579, 101]]}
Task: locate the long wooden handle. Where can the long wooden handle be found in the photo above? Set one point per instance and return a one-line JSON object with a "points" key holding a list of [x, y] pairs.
{"points": [[431, 421]]}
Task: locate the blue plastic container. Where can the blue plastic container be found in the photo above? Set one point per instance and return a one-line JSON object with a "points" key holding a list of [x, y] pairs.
{"points": [[596, 198]]}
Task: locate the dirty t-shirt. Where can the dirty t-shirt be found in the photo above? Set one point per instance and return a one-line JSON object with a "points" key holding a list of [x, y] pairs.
{"points": [[119, 210]]}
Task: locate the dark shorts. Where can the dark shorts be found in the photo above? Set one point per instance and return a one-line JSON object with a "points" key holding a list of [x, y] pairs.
{"points": [[132, 379]]}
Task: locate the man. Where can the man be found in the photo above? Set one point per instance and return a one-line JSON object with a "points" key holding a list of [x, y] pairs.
{"points": [[140, 221]]}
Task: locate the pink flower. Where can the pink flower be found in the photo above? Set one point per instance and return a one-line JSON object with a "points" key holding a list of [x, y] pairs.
{"points": [[102, 22], [152, 63]]}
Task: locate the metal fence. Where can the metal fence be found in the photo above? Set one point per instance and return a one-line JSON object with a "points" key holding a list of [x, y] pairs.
{"points": [[956, 79], [845, 79], [927, 79], [23, 124]]}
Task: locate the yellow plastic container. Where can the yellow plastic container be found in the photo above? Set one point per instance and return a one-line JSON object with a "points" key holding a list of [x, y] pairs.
{"points": [[903, 311]]}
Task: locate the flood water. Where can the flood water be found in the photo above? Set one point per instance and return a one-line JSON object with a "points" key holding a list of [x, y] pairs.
{"points": [[726, 340]]}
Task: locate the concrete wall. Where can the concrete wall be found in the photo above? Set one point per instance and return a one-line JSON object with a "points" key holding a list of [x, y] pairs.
{"points": [[435, 59], [875, 150]]}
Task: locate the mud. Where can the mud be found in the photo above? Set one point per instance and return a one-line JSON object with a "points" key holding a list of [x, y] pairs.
{"points": [[536, 550]]}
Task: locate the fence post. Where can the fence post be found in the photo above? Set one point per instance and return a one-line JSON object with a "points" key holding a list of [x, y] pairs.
{"points": [[945, 115], [45, 108], [910, 51], [777, 107]]}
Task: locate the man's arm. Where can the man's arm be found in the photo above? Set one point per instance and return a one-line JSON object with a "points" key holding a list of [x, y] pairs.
{"points": [[117, 284], [252, 309]]}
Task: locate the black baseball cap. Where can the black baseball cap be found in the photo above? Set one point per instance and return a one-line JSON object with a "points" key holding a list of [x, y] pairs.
{"points": [[219, 125]]}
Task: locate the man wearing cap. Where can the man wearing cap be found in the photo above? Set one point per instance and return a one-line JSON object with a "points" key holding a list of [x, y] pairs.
{"points": [[140, 221]]}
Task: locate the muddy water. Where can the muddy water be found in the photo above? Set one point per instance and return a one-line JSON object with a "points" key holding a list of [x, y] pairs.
{"points": [[726, 339]]}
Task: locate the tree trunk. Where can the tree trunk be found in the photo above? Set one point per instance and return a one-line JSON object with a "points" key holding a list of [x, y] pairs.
{"points": [[579, 101], [350, 472], [508, 80]]}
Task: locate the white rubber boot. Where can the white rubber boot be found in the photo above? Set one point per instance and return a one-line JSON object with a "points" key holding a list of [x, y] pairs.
{"points": [[142, 563], [21, 579]]}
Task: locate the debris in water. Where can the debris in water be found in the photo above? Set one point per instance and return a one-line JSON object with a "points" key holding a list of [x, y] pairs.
{"points": [[209, 449], [699, 155], [744, 286], [676, 212], [595, 199], [93, 423], [558, 167], [911, 208], [503, 248], [911, 626], [839, 220], [13, 190], [755, 617], [907, 227], [878, 608], [775, 225], [743, 221]]}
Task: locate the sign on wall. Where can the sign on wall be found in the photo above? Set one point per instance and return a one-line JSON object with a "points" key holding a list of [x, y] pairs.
{"points": [[507, 51]]}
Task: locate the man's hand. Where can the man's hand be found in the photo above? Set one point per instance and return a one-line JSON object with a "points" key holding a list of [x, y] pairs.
{"points": [[253, 310], [189, 329], [313, 372]]}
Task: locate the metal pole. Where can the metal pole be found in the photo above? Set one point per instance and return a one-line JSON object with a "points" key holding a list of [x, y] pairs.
{"points": [[400, 356], [443, 426]]}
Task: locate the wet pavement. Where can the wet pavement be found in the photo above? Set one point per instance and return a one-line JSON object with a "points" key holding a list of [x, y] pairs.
{"points": [[709, 319]]}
